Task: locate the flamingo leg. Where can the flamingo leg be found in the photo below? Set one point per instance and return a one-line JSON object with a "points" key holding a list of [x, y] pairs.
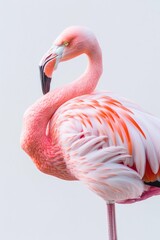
{"points": [[111, 221]]}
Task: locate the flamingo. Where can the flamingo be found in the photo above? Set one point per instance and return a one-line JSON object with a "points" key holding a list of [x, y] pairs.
{"points": [[102, 139]]}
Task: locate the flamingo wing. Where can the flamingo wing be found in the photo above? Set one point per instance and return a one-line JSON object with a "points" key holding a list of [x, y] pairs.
{"points": [[107, 144], [101, 169]]}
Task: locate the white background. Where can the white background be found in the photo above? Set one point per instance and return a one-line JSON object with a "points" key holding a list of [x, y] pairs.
{"points": [[34, 206]]}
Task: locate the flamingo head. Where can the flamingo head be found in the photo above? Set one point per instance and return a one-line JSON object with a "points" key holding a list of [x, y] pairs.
{"points": [[72, 42]]}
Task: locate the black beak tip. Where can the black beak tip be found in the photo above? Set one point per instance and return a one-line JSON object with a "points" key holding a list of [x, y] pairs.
{"points": [[46, 84], [45, 81]]}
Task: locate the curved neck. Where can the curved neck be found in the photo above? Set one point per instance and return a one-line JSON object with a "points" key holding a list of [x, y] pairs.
{"points": [[38, 115], [87, 82]]}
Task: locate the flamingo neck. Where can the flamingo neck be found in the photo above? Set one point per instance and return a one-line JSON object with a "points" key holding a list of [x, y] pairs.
{"points": [[34, 139], [87, 82]]}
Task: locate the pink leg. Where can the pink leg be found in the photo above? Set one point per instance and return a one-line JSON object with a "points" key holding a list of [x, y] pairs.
{"points": [[112, 221]]}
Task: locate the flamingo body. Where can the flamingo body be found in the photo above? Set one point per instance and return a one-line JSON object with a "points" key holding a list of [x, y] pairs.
{"points": [[102, 139], [99, 138]]}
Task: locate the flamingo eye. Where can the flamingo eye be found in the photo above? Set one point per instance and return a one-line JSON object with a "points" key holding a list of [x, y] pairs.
{"points": [[66, 43]]}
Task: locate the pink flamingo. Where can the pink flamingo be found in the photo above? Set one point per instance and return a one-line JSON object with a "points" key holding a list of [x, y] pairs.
{"points": [[103, 140]]}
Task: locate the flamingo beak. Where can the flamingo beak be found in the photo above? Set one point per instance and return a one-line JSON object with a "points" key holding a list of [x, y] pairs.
{"points": [[45, 81], [48, 64]]}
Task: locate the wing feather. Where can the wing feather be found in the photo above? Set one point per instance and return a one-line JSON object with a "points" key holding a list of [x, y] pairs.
{"points": [[103, 169], [114, 121]]}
